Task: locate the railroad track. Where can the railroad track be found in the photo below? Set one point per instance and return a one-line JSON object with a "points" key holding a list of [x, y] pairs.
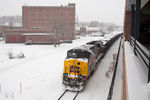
{"points": [[65, 92]]}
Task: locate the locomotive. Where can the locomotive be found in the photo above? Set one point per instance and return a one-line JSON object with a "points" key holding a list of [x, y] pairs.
{"points": [[81, 61], [80, 64]]}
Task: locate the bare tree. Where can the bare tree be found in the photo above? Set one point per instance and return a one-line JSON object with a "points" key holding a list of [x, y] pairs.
{"points": [[58, 27], [94, 24]]}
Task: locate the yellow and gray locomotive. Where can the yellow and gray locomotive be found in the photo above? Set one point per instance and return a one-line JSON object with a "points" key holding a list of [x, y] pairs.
{"points": [[80, 64]]}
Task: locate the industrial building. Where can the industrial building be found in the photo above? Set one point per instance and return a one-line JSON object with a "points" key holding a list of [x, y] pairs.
{"points": [[44, 24]]}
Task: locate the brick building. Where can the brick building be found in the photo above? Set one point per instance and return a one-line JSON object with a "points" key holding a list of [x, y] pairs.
{"points": [[131, 20], [52, 21]]}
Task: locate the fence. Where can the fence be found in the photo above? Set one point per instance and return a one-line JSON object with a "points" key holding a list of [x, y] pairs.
{"points": [[141, 52]]}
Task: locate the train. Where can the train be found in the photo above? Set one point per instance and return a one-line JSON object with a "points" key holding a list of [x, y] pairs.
{"points": [[80, 63]]}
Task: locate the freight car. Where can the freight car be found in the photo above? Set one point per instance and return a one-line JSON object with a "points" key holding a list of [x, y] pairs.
{"points": [[81, 61]]}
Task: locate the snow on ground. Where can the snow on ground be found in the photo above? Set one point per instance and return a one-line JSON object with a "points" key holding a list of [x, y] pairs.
{"points": [[136, 76], [40, 72]]}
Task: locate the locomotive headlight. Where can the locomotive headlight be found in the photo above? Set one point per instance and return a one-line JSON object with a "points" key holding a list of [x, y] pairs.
{"points": [[65, 74], [66, 79]]}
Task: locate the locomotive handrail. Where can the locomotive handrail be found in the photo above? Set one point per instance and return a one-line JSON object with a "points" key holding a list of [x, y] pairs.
{"points": [[141, 52]]}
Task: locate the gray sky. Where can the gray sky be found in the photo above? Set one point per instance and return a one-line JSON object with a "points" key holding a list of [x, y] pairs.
{"points": [[86, 10]]}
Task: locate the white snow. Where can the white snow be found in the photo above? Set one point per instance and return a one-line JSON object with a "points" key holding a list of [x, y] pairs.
{"points": [[79, 59], [136, 76], [37, 34], [40, 72]]}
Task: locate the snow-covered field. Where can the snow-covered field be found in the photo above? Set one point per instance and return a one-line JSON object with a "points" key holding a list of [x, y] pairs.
{"points": [[38, 76]]}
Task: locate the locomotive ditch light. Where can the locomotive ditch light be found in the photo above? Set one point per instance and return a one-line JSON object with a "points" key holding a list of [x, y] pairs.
{"points": [[66, 79], [65, 74]]}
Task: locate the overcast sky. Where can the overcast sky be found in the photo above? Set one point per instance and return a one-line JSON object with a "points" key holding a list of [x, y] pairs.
{"points": [[86, 10]]}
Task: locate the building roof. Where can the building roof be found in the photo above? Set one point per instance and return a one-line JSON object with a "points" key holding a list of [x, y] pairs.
{"points": [[38, 34], [92, 28], [70, 5]]}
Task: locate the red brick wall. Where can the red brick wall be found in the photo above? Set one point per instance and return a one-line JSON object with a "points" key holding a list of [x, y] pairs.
{"points": [[60, 18], [40, 39], [127, 24], [44, 19], [14, 38]]}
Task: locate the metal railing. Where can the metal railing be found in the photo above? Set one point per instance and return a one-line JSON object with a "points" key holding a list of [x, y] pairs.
{"points": [[142, 52]]}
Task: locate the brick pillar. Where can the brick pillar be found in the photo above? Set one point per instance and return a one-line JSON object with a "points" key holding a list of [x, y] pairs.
{"points": [[127, 24]]}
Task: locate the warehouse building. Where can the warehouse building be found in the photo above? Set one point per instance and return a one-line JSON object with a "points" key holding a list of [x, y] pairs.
{"points": [[43, 24]]}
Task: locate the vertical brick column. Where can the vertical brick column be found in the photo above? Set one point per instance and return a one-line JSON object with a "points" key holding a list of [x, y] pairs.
{"points": [[127, 24]]}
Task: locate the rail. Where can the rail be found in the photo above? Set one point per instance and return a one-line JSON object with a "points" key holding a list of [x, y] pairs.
{"points": [[62, 94], [66, 92], [142, 52], [114, 74]]}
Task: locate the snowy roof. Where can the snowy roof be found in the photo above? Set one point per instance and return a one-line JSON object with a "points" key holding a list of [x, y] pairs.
{"points": [[92, 28], [17, 24], [97, 33], [95, 42], [37, 34], [79, 59], [84, 48], [6, 24], [77, 28]]}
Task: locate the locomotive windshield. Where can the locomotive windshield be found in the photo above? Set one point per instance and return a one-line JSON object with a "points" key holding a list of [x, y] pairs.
{"points": [[78, 54]]}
